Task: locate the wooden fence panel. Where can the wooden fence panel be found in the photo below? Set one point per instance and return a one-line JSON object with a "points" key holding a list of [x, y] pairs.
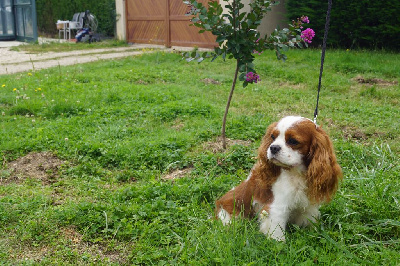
{"points": [[163, 22]]}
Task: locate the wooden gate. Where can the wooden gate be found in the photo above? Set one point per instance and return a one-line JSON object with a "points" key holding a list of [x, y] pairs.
{"points": [[163, 22]]}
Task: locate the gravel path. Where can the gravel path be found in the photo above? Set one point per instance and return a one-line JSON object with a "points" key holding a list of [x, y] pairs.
{"points": [[14, 62]]}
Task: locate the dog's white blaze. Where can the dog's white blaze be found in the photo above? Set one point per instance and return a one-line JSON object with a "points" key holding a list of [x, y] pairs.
{"points": [[287, 122], [224, 216]]}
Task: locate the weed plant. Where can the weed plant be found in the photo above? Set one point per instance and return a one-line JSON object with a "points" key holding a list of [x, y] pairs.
{"points": [[122, 125]]}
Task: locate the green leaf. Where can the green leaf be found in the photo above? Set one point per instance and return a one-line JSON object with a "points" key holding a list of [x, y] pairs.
{"points": [[214, 57], [220, 38], [300, 45], [251, 17], [251, 65], [241, 16]]}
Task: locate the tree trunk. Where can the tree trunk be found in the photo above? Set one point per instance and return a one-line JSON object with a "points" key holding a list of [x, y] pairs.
{"points": [[228, 104]]}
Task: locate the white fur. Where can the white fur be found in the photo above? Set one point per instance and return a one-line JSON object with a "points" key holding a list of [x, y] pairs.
{"points": [[250, 174], [290, 204], [224, 216], [286, 157]]}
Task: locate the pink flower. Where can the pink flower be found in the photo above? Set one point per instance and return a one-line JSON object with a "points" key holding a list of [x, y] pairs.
{"points": [[307, 35], [305, 19], [252, 77]]}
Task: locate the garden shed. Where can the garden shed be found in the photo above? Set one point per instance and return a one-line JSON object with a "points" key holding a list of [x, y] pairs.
{"points": [[164, 22]]}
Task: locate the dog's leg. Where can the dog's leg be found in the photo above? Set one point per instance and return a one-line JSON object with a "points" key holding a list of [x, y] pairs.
{"points": [[273, 223], [224, 216]]}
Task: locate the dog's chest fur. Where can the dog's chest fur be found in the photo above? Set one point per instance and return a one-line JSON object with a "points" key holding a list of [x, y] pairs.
{"points": [[289, 191]]}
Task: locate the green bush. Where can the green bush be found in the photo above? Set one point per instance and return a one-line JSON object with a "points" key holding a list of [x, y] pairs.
{"points": [[48, 12], [354, 24]]}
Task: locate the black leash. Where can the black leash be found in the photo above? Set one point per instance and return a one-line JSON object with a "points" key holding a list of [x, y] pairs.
{"points": [[328, 16]]}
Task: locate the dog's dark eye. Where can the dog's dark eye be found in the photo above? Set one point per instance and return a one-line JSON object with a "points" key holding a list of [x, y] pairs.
{"points": [[292, 141], [272, 137]]}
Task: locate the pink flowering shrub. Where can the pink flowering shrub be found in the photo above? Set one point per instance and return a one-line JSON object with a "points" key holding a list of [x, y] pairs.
{"points": [[307, 35], [304, 19], [295, 29], [252, 77]]}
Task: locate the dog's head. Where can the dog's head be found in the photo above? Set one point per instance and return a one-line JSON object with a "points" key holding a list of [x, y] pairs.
{"points": [[296, 143]]}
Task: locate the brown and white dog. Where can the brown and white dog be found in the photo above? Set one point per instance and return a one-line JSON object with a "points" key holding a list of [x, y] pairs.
{"points": [[295, 172]]}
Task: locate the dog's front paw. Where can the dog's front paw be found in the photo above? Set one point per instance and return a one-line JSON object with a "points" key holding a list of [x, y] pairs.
{"points": [[270, 229]]}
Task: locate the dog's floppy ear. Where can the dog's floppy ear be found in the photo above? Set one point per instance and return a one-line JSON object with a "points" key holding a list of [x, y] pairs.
{"points": [[266, 142], [323, 172], [264, 168]]}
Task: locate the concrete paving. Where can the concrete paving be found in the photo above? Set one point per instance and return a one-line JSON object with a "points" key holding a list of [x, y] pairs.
{"points": [[19, 61]]}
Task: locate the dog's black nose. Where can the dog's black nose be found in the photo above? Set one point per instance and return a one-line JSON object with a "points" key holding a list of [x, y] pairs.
{"points": [[275, 149]]}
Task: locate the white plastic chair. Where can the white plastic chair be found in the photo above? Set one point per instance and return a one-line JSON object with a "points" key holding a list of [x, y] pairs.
{"points": [[63, 27], [76, 23]]}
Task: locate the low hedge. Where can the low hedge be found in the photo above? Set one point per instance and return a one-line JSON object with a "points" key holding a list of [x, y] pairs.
{"points": [[354, 24]]}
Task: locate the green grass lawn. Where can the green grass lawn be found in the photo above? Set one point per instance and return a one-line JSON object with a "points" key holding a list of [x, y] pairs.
{"points": [[120, 126]]}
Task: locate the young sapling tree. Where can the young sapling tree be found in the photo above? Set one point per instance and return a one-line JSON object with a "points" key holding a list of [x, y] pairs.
{"points": [[237, 37]]}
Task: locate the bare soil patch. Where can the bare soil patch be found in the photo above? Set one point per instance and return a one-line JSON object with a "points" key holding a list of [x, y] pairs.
{"points": [[353, 133], [178, 124], [44, 166], [177, 173], [210, 81], [213, 146], [291, 85], [375, 81], [100, 253], [216, 146]]}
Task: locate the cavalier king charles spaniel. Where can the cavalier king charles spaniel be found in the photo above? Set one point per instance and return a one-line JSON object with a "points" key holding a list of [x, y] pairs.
{"points": [[296, 171]]}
